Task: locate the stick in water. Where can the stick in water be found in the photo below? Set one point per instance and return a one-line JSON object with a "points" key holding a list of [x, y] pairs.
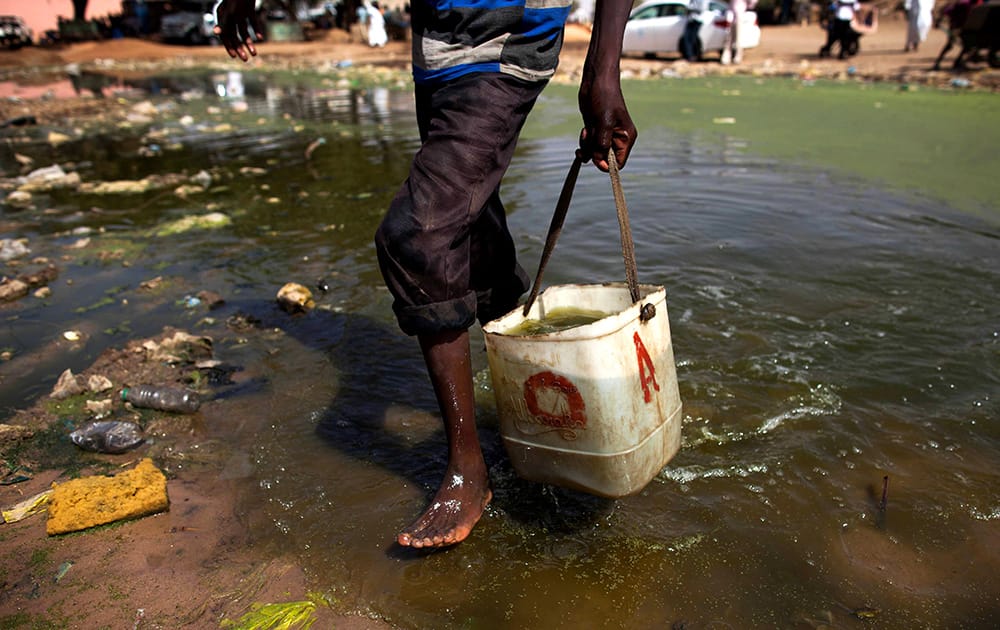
{"points": [[885, 494]]}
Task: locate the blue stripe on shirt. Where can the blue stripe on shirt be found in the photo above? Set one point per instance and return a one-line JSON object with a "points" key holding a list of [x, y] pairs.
{"points": [[482, 5], [421, 75], [544, 21]]}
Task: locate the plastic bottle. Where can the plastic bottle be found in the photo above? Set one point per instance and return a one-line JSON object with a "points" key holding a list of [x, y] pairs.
{"points": [[173, 399]]}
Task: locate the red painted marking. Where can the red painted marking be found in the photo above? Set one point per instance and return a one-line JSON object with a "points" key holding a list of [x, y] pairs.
{"points": [[575, 415], [645, 362]]}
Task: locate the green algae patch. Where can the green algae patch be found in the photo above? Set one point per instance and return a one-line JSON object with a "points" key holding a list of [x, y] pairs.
{"points": [[284, 616], [110, 249], [210, 221], [922, 141]]}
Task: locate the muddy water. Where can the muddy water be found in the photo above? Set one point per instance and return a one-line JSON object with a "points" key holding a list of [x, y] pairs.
{"points": [[832, 334]]}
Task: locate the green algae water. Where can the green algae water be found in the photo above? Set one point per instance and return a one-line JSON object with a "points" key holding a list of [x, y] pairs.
{"points": [[556, 320], [921, 142], [833, 306]]}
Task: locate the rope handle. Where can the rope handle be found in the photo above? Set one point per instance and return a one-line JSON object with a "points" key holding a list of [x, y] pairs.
{"points": [[648, 311]]}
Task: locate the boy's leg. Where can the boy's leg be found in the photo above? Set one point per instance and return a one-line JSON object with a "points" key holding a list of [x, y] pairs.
{"points": [[465, 491], [432, 246]]}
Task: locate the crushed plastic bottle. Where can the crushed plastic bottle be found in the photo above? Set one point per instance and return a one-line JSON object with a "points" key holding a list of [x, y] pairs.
{"points": [[108, 436], [174, 399]]}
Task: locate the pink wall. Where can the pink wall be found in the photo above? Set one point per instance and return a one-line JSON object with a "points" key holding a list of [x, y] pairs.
{"points": [[41, 14]]}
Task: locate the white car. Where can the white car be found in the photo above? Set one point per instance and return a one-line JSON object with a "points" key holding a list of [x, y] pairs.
{"points": [[657, 27]]}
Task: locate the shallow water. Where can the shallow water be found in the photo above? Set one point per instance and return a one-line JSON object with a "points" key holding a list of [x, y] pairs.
{"points": [[830, 331]]}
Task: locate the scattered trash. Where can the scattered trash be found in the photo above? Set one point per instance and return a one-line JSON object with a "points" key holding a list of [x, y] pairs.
{"points": [[66, 386], [11, 248], [724, 120], [295, 298], [26, 508], [55, 138], [98, 383], [82, 503], [18, 200], [99, 409], [63, 570], [13, 289], [179, 348], [173, 399], [186, 190], [72, 335], [323, 285], [133, 187], [19, 121], [48, 178], [16, 288], [108, 436], [151, 285], [11, 479], [960, 83], [202, 178], [212, 299]]}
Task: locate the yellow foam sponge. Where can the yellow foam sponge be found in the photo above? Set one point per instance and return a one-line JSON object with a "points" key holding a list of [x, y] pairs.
{"points": [[81, 503]]}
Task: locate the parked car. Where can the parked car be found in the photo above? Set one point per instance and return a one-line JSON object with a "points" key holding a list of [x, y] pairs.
{"points": [[14, 33], [193, 23], [658, 25]]}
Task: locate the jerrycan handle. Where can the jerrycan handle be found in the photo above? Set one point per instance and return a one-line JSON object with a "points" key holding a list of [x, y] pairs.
{"points": [[648, 311]]}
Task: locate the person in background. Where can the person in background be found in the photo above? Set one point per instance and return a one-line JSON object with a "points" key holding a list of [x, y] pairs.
{"points": [[690, 44], [920, 16], [362, 18], [377, 36], [955, 13], [443, 247], [838, 27], [732, 49]]}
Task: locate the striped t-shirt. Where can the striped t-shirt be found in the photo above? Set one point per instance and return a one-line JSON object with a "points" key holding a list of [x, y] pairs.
{"points": [[452, 38]]}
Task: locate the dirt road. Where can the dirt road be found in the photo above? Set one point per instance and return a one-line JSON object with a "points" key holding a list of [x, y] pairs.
{"points": [[784, 50]]}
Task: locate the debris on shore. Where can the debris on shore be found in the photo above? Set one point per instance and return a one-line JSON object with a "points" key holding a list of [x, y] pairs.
{"points": [[82, 503]]}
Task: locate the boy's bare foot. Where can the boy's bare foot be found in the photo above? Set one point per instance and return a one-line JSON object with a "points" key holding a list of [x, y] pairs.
{"points": [[454, 511], [465, 489]]}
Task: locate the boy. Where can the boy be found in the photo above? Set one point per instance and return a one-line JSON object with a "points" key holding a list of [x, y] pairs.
{"points": [[443, 247]]}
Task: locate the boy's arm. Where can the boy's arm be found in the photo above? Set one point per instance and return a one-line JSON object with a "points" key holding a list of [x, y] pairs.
{"points": [[606, 121], [234, 19]]}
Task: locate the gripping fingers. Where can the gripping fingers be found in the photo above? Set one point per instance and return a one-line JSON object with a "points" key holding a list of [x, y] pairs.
{"points": [[237, 40]]}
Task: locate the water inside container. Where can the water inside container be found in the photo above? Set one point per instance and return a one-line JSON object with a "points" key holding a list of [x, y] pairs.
{"points": [[558, 319]]}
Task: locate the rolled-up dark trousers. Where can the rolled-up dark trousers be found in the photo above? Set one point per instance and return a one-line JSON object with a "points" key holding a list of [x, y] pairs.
{"points": [[443, 247]]}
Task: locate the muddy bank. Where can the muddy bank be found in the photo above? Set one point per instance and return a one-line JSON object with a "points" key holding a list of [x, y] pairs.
{"points": [[195, 564]]}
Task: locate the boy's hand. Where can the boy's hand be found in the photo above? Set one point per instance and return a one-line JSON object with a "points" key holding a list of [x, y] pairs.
{"points": [[607, 124], [234, 21]]}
